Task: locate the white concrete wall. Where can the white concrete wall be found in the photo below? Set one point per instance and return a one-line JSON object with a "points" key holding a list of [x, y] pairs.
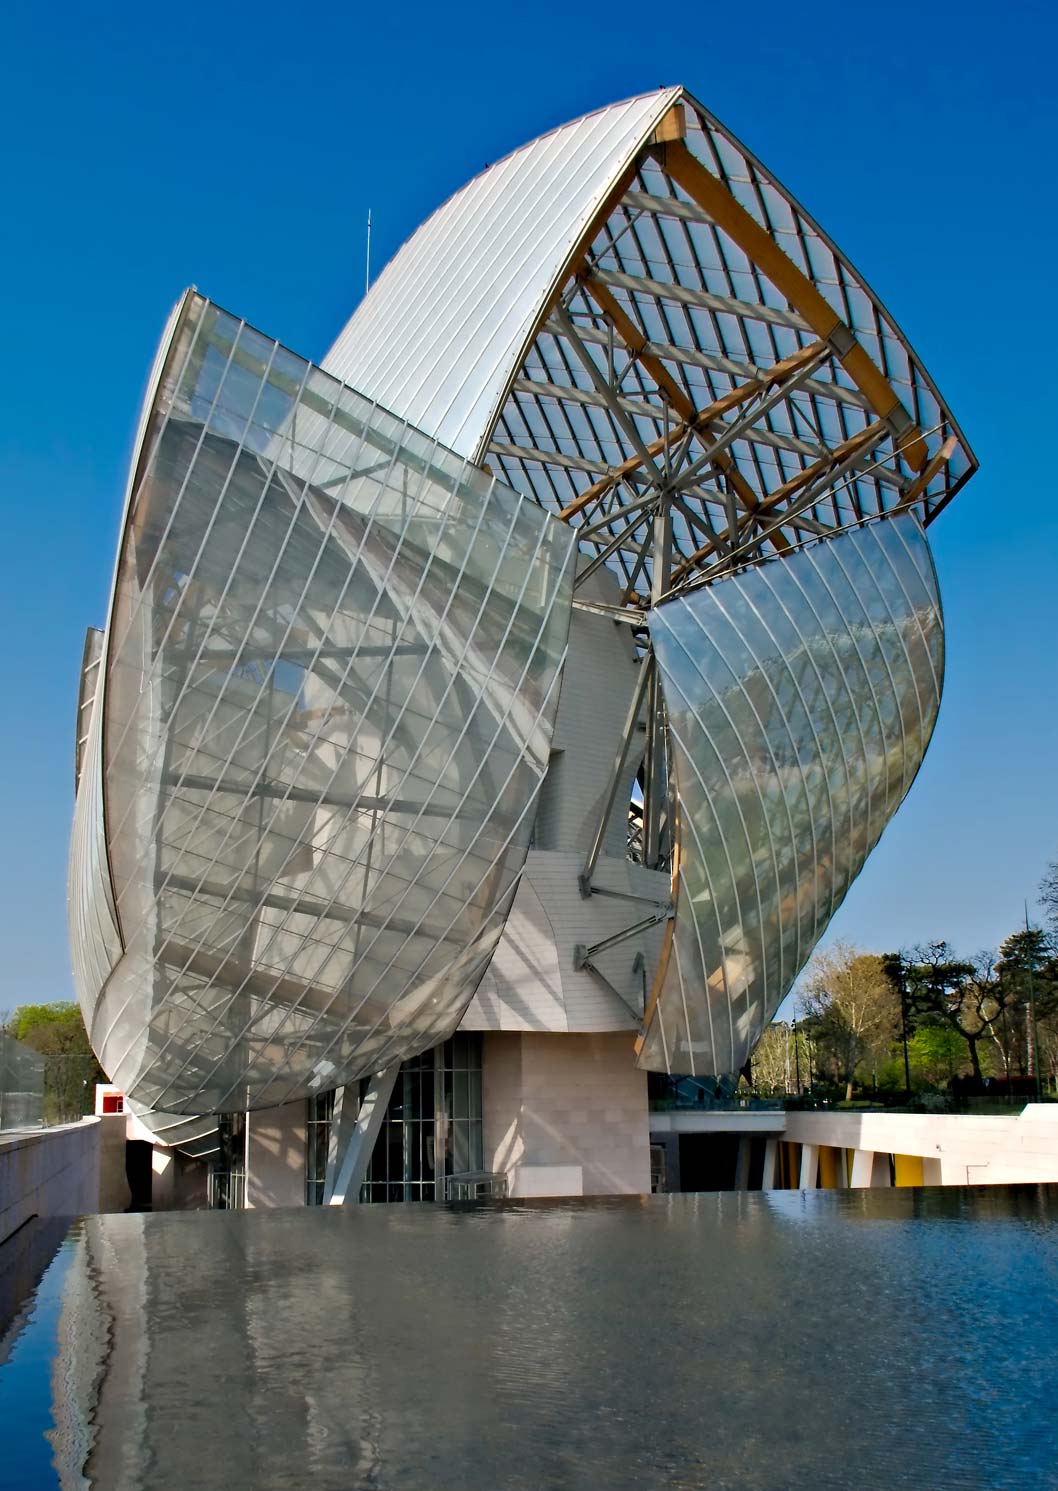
{"points": [[955, 1148], [565, 1115], [962, 1148], [56, 1172], [531, 983], [276, 1156]]}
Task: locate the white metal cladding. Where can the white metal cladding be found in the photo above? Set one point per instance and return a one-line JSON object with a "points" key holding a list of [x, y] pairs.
{"points": [[438, 337], [801, 696], [329, 687]]}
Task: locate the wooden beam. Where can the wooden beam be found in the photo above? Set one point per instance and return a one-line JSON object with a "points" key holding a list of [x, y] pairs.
{"points": [[931, 469], [789, 489], [636, 341], [672, 127], [870, 435], [703, 422], [756, 242]]}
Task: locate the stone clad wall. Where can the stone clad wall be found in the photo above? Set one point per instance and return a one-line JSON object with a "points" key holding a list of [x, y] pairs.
{"points": [[566, 1115], [276, 1154]]}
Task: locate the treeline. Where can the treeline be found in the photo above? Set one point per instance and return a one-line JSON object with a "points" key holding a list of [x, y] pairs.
{"points": [[57, 1032], [923, 1018]]}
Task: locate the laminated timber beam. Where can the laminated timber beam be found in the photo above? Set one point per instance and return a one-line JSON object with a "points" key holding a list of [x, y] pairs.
{"points": [[679, 400], [714, 198], [932, 468], [840, 457], [705, 422]]}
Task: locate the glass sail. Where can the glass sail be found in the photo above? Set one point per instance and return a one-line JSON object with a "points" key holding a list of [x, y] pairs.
{"points": [[800, 696], [329, 683]]}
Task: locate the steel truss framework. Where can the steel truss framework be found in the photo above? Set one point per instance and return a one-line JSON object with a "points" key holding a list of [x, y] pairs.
{"points": [[712, 383], [713, 387]]}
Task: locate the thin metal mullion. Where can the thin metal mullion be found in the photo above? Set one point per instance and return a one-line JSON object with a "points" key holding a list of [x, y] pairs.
{"points": [[530, 805], [379, 592], [411, 827]]}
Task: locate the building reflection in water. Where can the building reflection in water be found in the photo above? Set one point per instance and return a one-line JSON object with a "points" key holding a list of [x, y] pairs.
{"points": [[530, 1346]]}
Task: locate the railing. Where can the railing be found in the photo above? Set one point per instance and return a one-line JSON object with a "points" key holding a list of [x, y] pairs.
{"points": [[996, 1103], [226, 1190], [21, 1085], [703, 1095], [475, 1185]]}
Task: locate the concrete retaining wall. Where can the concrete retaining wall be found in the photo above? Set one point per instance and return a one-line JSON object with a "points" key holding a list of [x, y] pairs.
{"points": [[62, 1172]]}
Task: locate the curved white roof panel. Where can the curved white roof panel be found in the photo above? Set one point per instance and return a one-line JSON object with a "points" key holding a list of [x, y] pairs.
{"points": [[438, 338]]}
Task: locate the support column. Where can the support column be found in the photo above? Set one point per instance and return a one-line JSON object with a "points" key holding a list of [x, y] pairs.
{"points": [[809, 1167], [350, 1155], [771, 1155], [862, 1169], [742, 1159]]}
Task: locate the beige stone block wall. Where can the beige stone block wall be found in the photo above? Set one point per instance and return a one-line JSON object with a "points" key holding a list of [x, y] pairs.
{"points": [[566, 1115], [275, 1173]]}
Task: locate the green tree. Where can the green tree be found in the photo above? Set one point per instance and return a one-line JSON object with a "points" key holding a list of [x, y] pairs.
{"points": [[969, 996], [50, 1028], [852, 1010], [936, 1054], [781, 1059], [1028, 971], [71, 1071]]}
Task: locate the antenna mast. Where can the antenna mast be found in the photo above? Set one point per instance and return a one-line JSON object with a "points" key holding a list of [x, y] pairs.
{"points": [[367, 267]]}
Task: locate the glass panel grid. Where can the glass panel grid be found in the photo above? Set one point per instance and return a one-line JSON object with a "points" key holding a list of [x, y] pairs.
{"points": [[800, 696], [330, 681]]}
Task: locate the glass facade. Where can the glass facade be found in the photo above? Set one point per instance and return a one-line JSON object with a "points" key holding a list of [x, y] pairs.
{"points": [[312, 736], [800, 697], [226, 1189], [319, 1111], [432, 1127], [328, 686]]}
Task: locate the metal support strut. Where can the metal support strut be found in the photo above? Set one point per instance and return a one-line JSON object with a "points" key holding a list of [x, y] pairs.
{"points": [[646, 670], [352, 1140]]}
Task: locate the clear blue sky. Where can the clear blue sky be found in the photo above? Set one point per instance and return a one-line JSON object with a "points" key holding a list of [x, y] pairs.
{"points": [[238, 147]]}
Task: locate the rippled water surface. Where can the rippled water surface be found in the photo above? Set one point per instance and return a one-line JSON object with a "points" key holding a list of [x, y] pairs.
{"points": [[780, 1340]]}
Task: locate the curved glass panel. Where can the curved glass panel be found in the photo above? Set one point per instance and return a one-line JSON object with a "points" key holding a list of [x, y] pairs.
{"points": [[195, 1136], [801, 696], [328, 693]]}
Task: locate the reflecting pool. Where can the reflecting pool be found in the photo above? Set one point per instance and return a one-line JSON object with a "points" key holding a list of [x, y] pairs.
{"points": [[735, 1340]]}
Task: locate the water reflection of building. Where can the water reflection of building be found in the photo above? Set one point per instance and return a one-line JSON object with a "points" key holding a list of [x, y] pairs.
{"points": [[501, 710]]}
